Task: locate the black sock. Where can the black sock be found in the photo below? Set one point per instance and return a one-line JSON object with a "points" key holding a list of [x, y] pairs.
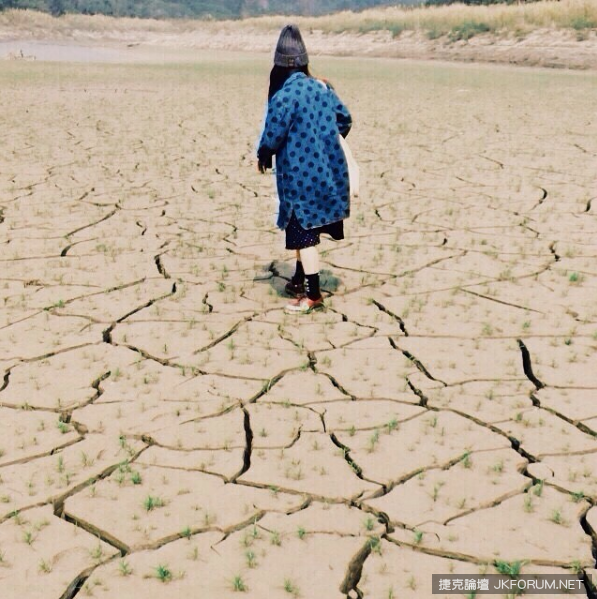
{"points": [[299, 274], [313, 292]]}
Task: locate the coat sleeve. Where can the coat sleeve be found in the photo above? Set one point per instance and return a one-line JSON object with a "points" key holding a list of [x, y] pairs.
{"points": [[280, 114], [343, 118]]}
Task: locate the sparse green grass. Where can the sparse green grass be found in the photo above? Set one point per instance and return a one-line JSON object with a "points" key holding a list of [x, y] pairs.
{"points": [[467, 29], [97, 552], [583, 22], [466, 461], [251, 558], [163, 573], [290, 587], [574, 277], [373, 441], [375, 544], [45, 567], [392, 425], [511, 569], [556, 517], [150, 503], [538, 488], [238, 585]]}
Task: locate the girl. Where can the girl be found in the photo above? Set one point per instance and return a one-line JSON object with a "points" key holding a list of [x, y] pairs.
{"points": [[304, 119]]}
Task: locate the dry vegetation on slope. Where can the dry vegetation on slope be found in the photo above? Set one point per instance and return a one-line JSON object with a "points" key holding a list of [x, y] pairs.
{"points": [[434, 21], [561, 33]]}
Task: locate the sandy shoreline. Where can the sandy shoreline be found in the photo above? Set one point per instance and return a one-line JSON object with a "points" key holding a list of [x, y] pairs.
{"points": [[542, 48]]}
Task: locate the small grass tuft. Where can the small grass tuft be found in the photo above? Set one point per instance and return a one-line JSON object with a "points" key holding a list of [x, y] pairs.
{"points": [[163, 573], [511, 569], [290, 587], [150, 503], [238, 585], [467, 29]]}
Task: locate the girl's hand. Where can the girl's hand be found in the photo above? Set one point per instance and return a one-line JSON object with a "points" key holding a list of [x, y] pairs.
{"points": [[261, 167]]}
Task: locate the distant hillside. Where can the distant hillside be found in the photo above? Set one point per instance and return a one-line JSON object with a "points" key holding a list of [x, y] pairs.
{"points": [[217, 9]]}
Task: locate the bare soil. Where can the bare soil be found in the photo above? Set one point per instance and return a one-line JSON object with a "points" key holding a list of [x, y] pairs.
{"points": [[166, 430]]}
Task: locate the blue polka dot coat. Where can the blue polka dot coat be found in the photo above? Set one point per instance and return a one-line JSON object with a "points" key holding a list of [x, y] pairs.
{"points": [[303, 121]]}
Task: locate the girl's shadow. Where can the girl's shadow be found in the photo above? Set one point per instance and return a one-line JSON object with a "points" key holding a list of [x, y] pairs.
{"points": [[277, 274]]}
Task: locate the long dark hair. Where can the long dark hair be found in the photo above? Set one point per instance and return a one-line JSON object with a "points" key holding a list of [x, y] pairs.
{"points": [[279, 75]]}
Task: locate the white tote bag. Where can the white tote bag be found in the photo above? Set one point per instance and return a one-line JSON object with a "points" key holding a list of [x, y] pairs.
{"points": [[354, 173]]}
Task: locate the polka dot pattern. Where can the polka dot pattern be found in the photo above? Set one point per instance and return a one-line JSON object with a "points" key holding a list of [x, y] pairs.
{"points": [[298, 238], [303, 122]]}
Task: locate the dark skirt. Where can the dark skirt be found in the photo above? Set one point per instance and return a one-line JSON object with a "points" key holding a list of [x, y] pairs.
{"points": [[298, 238]]}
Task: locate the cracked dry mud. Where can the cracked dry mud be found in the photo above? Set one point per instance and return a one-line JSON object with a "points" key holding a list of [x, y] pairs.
{"points": [[167, 429]]}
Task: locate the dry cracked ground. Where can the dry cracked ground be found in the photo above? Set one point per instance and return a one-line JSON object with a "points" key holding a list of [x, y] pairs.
{"points": [[167, 430]]}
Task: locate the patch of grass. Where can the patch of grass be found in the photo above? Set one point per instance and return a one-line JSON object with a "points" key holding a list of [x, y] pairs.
{"points": [[97, 552], [576, 567], [151, 502], [45, 567], [392, 425], [556, 517], [290, 587], [375, 545], [251, 558], [538, 488], [466, 461], [511, 569], [163, 573], [582, 22], [575, 277], [373, 441], [467, 29], [238, 585]]}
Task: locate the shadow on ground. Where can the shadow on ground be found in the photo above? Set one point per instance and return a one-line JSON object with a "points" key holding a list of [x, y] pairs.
{"points": [[277, 274]]}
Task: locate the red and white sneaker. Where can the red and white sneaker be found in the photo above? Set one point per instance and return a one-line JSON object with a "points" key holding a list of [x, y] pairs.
{"points": [[304, 305]]}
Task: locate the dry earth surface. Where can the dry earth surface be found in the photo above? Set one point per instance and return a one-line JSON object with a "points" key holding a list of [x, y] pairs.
{"points": [[166, 430]]}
